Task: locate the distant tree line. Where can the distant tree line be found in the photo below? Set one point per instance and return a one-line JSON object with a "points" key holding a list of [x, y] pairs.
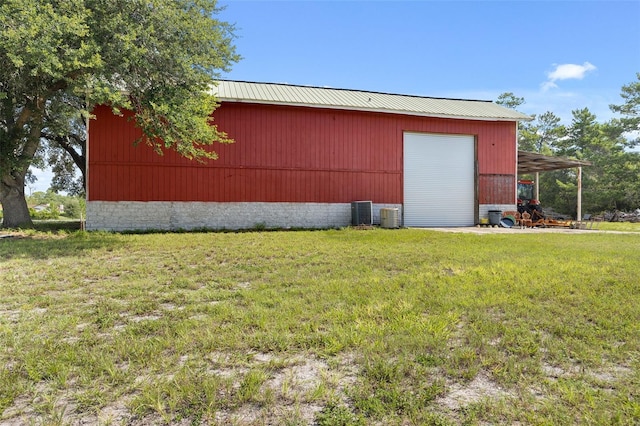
{"points": [[52, 205], [612, 182]]}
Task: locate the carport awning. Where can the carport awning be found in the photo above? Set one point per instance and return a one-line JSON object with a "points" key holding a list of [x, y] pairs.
{"points": [[531, 162]]}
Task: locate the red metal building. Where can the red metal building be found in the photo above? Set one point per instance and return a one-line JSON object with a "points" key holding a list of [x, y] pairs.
{"points": [[302, 155]]}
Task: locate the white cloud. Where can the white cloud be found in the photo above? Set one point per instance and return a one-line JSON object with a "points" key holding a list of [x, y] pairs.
{"points": [[567, 72]]}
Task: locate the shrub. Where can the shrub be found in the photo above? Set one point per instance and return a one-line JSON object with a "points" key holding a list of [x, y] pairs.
{"points": [[50, 213]]}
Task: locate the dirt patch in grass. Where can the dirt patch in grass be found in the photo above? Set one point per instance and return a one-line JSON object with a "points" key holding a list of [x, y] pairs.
{"points": [[115, 413], [606, 375], [481, 387], [295, 389], [612, 374]]}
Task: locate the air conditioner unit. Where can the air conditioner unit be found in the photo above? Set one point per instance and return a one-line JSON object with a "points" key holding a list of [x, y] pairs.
{"points": [[389, 218], [361, 213]]}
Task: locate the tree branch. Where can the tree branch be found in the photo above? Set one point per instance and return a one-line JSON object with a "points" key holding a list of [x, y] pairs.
{"points": [[64, 143]]}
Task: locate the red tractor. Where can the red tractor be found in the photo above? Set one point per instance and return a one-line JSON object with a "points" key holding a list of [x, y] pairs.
{"points": [[527, 201]]}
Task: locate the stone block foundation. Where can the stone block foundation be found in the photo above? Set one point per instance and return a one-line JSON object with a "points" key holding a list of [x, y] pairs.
{"points": [[172, 215]]}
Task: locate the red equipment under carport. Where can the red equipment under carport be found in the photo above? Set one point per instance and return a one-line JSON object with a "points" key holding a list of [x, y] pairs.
{"points": [[533, 162]]}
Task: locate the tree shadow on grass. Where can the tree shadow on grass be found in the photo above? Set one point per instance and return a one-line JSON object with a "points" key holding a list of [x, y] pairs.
{"points": [[60, 242], [57, 225]]}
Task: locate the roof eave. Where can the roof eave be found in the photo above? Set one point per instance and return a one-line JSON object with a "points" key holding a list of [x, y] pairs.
{"points": [[378, 110]]}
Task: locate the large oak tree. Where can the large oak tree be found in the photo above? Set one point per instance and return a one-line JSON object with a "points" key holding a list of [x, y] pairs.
{"points": [[59, 58]]}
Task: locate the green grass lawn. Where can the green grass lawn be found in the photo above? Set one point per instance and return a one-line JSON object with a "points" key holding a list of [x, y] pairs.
{"points": [[338, 327], [617, 226]]}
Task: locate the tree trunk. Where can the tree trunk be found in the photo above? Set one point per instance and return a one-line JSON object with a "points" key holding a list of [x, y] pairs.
{"points": [[14, 204]]}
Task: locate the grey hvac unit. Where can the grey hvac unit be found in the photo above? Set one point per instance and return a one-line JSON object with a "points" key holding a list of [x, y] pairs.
{"points": [[361, 213], [389, 218]]}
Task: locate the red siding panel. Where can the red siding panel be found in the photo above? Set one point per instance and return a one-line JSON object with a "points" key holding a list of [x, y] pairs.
{"points": [[289, 154], [496, 189]]}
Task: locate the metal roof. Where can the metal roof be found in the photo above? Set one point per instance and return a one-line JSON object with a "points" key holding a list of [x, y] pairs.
{"points": [[324, 97], [531, 162]]}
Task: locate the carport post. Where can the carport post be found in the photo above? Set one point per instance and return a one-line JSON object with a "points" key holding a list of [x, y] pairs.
{"points": [[579, 218], [537, 186]]}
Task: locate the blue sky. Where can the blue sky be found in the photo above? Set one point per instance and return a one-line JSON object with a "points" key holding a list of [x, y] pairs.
{"points": [[558, 55]]}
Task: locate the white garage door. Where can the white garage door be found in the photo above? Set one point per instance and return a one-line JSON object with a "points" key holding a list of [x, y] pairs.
{"points": [[439, 180]]}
